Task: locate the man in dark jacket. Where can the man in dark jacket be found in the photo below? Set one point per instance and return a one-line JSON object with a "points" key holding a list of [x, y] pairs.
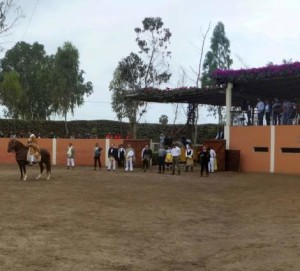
{"points": [[112, 157], [204, 160], [146, 157]]}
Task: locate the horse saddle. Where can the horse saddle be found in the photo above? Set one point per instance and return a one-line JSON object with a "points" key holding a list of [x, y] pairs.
{"points": [[33, 156]]}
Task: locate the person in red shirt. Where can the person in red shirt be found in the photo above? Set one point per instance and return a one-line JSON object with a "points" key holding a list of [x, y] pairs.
{"points": [[108, 135]]}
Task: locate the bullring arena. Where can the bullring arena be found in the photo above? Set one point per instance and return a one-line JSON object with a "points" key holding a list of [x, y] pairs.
{"points": [[83, 219]]}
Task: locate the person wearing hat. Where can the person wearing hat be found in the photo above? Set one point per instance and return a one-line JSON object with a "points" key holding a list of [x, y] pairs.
{"points": [[34, 149], [189, 158]]}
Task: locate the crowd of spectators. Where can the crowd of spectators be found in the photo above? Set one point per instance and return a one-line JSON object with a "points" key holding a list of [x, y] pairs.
{"points": [[266, 112]]}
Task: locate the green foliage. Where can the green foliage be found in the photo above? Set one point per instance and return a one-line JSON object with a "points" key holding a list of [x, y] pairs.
{"points": [[11, 93], [128, 78], [70, 88], [217, 57], [48, 84], [163, 119], [134, 72], [32, 66]]}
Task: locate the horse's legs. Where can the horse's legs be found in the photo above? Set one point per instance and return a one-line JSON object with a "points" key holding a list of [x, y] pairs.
{"points": [[48, 167], [21, 169], [24, 170], [41, 170]]}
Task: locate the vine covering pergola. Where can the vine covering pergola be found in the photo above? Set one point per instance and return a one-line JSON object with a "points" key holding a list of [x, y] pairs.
{"points": [[280, 81]]}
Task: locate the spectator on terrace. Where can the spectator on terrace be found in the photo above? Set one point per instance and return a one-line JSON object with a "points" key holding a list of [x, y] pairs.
{"points": [[260, 106], [276, 110], [248, 112], [293, 114], [286, 111], [267, 112]]}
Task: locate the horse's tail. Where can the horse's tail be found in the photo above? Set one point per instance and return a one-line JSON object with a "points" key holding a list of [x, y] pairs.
{"points": [[46, 159]]}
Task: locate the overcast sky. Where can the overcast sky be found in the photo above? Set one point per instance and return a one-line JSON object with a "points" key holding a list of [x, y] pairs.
{"points": [[103, 32]]}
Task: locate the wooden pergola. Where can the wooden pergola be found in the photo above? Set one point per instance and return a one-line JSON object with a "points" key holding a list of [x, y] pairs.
{"points": [[280, 81]]}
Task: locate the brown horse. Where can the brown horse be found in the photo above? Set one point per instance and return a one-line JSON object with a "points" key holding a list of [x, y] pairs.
{"points": [[21, 152]]}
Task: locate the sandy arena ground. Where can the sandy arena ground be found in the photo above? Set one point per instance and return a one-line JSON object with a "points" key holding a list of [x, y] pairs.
{"points": [[86, 220]]}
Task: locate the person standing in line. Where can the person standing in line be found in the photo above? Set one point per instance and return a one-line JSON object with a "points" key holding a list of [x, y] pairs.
{"points": [[70, 156], [112, 157], [176, 152], [161, 158], [97, 156], [204, 160], [211, 164], [189, 154], [121, 156], [130, 156], [146, 156], [168, 158]]}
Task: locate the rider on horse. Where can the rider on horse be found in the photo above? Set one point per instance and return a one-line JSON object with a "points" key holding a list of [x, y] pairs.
{"points": [[34, 149]]}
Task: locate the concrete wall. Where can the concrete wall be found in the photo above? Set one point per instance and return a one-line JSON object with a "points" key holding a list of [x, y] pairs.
{"points": [[84, 150], [261, 148]]}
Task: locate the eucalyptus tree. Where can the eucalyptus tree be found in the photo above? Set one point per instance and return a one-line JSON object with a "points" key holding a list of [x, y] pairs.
{"points": [[69, 87], [128, 78], [32, 67], [217, 57], [137, 72], [11, 93]]}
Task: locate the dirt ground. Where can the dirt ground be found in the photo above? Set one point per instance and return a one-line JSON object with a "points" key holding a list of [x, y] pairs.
{"points": [[97, 220]]}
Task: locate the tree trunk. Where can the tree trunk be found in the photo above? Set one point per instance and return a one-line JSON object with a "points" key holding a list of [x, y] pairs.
{"points": [[133, 126], [66, 126]]}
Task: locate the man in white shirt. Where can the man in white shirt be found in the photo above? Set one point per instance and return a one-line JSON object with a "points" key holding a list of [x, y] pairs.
{"points": [[211, 164], [176, 152], [260, 106]]}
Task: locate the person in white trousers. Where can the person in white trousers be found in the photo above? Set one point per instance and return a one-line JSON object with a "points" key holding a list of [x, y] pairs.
{"points": [[211, 164], [130, 156], [70, 156]]}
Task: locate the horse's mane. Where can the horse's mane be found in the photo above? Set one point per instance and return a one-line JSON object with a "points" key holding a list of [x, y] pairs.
{"points": [[18, 143]]}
